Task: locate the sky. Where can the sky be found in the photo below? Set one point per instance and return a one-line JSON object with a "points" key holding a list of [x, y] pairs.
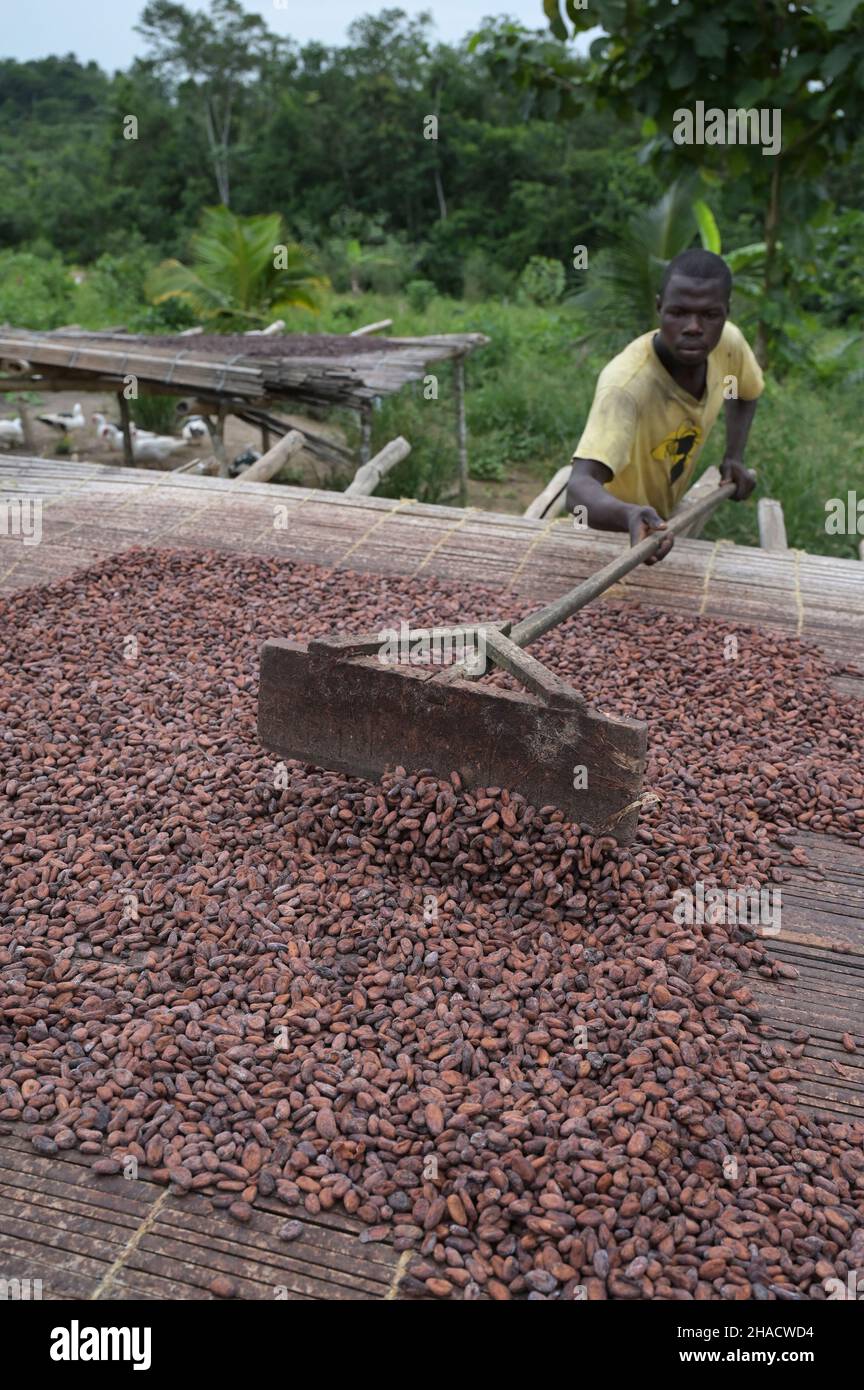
{"points": [[104, 29]]}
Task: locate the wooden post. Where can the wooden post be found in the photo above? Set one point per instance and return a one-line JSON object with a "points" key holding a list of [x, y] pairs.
{"points": [[215, 431], [269, 464], [365, 433], [265, 439], [367, 478], [772, 526], [371, 328], [553, 498], [126, 426], [704, 487], [27, 426], [461, 430]]}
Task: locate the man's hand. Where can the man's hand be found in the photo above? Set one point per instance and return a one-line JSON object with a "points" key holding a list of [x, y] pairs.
{"points": [[733, 471], [644, 521]]}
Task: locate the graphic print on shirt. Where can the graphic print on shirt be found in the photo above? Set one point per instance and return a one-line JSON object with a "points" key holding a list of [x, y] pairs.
{"points": [[677, 447]]}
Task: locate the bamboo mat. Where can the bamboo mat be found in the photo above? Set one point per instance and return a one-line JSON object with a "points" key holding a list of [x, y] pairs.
{"points": [[90, 510]]}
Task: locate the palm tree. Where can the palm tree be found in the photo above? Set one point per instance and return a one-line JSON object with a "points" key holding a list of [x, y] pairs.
{"points": [[622, 285], [244, 272]]}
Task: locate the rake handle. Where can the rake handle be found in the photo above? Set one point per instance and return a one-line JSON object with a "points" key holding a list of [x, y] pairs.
{"points": [[546, 618]]}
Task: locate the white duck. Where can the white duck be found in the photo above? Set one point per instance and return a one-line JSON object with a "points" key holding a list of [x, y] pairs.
{"points": [[195, 428], [65, 420], [149, 448], [153, 448], [11, 431], [101, 422]]}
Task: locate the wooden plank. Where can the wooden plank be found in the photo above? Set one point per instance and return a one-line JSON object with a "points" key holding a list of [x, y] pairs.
{"points": [[826, 999], [772, 524], [369, 475], [360, 714], [552, 500], [58, 1216]]}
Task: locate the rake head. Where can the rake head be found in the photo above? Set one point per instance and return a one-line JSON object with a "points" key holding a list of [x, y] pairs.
{"points": [[335, 704]]}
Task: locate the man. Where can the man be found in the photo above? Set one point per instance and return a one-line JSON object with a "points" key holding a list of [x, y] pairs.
{"points": [[656, 402]]}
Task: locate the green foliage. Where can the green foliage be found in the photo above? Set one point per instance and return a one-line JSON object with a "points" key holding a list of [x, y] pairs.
{"points": [[484, 278], [244, 272], [112, 292], [803, 477], [35, 290], [221, 57], [420, 294], [652, 56], [838, 262], [542, 281], [623, 280], [156, 413], [364, 256]]}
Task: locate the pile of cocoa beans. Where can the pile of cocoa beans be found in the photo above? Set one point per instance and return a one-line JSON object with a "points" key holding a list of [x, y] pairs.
{"points": [[465, 1020]]}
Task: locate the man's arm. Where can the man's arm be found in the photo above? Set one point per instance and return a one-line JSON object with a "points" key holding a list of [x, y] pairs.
{"points": [[604, 512], [739, 417]]}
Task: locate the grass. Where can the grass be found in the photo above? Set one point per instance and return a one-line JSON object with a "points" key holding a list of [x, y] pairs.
{"points": [[807, 446]]}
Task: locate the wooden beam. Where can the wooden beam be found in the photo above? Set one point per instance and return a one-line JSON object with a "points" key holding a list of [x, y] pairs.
{"points": [[27, 426], [269, 464], [461, 427], [553, 498], [365, 432], [367, 478], [334, 455], [126, 426], [772, 525], [270, 331], [217, 446], [371, 328], [702, 488]]}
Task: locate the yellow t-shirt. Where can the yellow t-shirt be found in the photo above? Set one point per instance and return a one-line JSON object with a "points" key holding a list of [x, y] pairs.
{"points": [[649, 430]]}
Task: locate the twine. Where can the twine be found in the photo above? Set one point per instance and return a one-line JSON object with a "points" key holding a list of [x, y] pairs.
{"points": [[403, 502], [441, 539], [541, 535], [709, 571]]}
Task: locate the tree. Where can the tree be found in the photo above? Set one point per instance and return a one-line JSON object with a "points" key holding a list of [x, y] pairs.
{"points": [[656, 57], [221, 54], [244, 272]]}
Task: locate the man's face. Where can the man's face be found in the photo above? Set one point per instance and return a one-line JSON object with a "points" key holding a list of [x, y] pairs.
{"points": [[692, 315]]}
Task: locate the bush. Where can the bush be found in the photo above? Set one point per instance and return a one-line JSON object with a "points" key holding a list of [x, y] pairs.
{"points": [[483, 278], [35, 290], [542, 281], [420, 295], [156, 413]]}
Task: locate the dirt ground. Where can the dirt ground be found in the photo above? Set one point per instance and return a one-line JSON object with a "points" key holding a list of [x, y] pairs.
{"points": [[511, 495]]}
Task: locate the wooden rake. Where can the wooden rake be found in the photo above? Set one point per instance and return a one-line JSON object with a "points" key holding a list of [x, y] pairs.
{"points": [[335, 703]]}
